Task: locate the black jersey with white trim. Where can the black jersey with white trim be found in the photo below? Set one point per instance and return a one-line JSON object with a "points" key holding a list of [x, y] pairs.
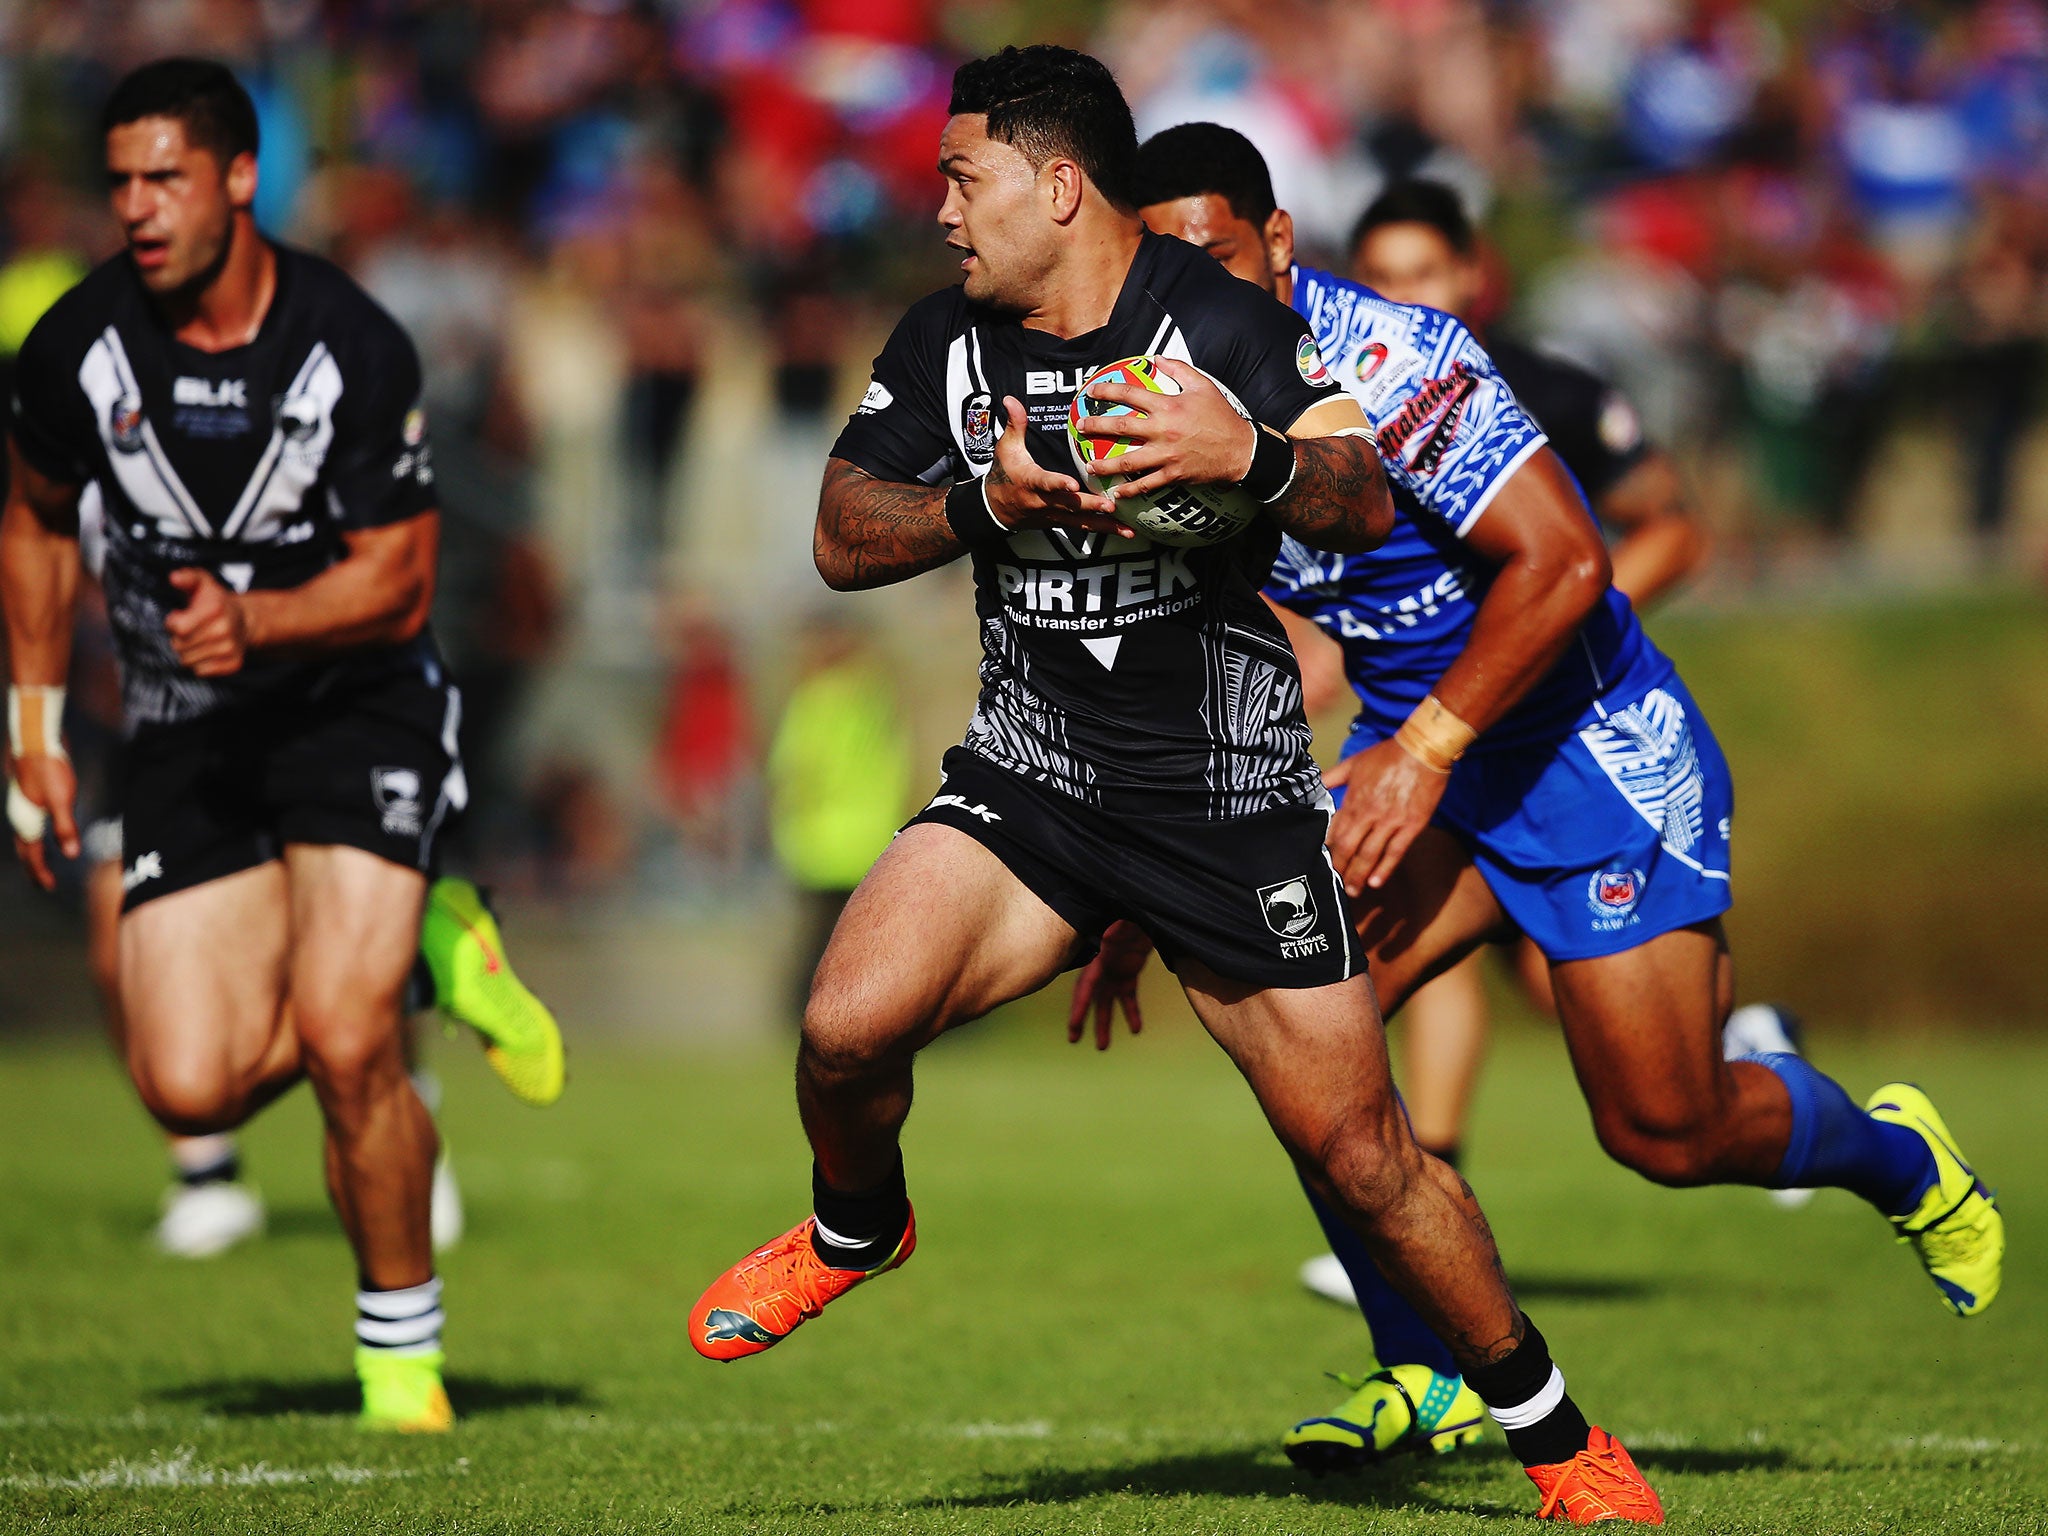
{"points": [[1135, 676], [251, 463]]}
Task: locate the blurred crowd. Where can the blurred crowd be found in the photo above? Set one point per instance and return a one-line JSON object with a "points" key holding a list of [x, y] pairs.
{"points": [[647, 246]]}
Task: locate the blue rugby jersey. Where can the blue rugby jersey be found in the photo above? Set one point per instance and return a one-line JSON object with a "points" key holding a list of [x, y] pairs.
{"points": [[1450, 433]]}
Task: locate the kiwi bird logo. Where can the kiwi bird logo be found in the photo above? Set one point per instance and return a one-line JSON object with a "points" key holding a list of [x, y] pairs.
{"points": [[1290, 907], [724, 1324]]}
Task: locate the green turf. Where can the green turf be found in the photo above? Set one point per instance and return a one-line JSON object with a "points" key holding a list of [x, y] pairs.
{"points": [[1101, 1331]]}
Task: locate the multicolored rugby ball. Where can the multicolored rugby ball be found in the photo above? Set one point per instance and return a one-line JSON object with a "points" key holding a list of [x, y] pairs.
{"points": [[1179, 514]]}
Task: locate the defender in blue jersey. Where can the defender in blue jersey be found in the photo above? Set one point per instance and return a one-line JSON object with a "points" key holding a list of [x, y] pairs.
{"points": [[1525, 760]]}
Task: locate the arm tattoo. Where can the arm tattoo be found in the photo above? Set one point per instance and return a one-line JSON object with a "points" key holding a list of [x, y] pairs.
{"points": [[1339, 500], [873, 532]]}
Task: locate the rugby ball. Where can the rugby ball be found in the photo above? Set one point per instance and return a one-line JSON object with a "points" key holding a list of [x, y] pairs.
{"points": [[1179, 514]]}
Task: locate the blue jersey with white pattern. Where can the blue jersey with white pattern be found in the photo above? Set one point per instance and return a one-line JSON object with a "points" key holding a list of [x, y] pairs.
{"points": [[1450, 433]]}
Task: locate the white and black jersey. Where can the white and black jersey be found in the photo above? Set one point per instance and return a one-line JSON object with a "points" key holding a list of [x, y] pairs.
{"points": [[251, 463], [1137, 677]]}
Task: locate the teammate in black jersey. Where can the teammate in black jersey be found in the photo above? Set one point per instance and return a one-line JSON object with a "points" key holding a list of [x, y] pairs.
{"points": [[251, 419], [1139, 749]]}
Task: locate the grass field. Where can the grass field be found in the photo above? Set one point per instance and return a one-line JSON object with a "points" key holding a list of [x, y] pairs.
{"points": [[1100, 1333]]}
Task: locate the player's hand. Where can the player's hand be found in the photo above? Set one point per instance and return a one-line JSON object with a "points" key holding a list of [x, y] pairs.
{"points": [[211, 632], [1108, 980], [48, 784], [1389, 797], [1196, 437], [1022, 493]]}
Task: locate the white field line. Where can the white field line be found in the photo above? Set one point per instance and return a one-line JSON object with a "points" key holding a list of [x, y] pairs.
{"points": [[1976, 1444], [183, 1469]]}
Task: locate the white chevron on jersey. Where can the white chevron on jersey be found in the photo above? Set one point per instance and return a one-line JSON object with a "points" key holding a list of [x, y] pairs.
{"points": [[298, 447], [276, 488], [1647, 752], [140, 464]]}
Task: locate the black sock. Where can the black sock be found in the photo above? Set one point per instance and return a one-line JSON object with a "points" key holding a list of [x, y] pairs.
{"points": [[859, 1230], [1526, 1396], [225, 1169]]}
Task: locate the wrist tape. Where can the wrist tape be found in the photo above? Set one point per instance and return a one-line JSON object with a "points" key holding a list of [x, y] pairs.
{"points": [[1433, 736], [35, 720]]}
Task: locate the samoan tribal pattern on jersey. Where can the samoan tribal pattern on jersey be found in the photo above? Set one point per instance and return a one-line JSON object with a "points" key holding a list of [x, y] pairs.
{"points": [[251, 463], [1131, 675], [1450, 433]]}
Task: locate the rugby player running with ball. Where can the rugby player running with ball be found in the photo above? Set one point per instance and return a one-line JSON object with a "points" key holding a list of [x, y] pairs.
{"points": [[1139, 750], [1525, 761], [251, 418]]}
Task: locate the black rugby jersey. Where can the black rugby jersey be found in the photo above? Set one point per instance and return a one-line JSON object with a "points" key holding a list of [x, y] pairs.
{"points": [[251, 463], [1135, 676], [1590, 424]]}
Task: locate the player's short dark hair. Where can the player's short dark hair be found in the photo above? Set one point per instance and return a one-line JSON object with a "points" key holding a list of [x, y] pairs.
{"points": [[1195, 159], [1419, 202], [206, 97], [1046, 100]]}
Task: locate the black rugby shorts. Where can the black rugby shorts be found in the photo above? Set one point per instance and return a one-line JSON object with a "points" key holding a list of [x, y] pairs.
{"points": [[1254, 899], [370, 764]]}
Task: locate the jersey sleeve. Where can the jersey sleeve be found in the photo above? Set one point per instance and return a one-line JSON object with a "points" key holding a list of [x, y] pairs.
{"points": [[899, 431], [381, 464], [50, 417], [1269, 360], [1455, 433]]}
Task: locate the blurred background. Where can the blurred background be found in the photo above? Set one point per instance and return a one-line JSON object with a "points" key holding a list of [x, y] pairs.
{"points": [[647, 248]]}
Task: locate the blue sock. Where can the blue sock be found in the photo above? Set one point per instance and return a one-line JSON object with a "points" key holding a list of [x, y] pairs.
{"points": [[1399, 1335], [1836, 1145]]}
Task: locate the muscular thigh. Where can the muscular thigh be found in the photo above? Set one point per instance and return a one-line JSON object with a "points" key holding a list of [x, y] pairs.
{"points": [[1433, 912], [938, 933], [202, 978], [356, 929], [1315, 1056], [1644, 1026]]}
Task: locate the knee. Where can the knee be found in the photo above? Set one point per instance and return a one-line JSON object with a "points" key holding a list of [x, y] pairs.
{"points": [[1368, 1161], [190, 1099], [1674, 1150], [845, 1038], [346, 1051]]}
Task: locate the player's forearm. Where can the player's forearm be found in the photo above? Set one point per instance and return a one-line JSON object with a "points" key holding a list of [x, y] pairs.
{"points": [[1661, 542], [367, 599], [1528, 618], [39, 594], [872, 532], [1338, 499]]}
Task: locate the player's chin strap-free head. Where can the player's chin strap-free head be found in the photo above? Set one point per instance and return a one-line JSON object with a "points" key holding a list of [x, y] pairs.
{"points": [[35, 728]]}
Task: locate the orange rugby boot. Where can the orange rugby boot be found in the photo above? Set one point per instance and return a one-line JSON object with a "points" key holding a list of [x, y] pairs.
{"points": [[1600, 1483], [761, 1300]]}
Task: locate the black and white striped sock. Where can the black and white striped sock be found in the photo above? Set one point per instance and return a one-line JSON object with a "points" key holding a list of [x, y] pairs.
{"points": [[401, 1322], [1526, 1396], [205, 1160]]}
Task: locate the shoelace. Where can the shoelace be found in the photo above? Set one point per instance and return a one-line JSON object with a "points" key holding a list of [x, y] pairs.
{"points": [[787, 1272], [1946, 1247], [1591, 1468]]}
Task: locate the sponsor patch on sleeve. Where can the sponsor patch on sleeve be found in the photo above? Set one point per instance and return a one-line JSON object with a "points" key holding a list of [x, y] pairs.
{"points": [[1309, 362], [876, 399]]}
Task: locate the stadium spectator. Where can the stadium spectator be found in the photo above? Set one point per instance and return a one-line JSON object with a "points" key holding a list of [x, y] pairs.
{"points": [[838, 781]]}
